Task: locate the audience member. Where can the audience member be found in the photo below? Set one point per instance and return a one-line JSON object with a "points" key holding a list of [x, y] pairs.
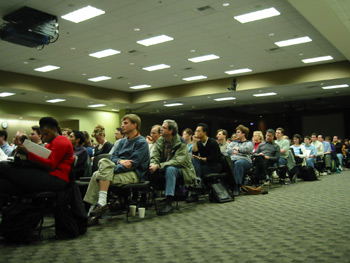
{"points": [[44, 174], [77, 139], [318, 146], [258, 138], [35, 135], [171, 158], [205, 152], [338, 151], [154, 136], [299, 150], [129, 164], [266, 155], [66, 132], [7, 149], [88, 144], [240, 153], [311, 152], [187, 135], [19, 138], [103, 145], [221, 138], [327, 150], [118, 134], [284, 146]]}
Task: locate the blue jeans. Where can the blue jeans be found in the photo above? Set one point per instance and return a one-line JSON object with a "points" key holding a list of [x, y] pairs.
{"points": [[240, 167], [340, 158], [310, 162], [171, 173]]}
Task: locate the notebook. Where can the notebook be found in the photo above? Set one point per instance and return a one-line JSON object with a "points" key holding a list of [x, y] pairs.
{"points": [[37, 149]]}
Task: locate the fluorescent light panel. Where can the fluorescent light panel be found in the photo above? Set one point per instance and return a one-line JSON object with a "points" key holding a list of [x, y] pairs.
{"points": [[195, 78], [238, 71], [143, 86], [154, 40], [156, 67], [100, 78], [6, 94], [96, 105], [317, 59], [294, 41], [265, 94], [83, 14], [104, 53], [223, 99], [55, 100], [258, 15], [336, 86], [173, 104], [46, 68], [203, 58]]}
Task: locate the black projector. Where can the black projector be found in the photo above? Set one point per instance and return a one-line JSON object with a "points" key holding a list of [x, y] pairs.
{"points": [[29, 27]]}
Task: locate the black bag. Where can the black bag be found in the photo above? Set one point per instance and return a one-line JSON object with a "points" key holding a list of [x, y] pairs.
{"points": [[19, 222], [70, 215], [308, 173], [218, 193]]}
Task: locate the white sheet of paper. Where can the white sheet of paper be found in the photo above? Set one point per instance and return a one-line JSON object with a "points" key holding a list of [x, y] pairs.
{"points": [[37, 149]]}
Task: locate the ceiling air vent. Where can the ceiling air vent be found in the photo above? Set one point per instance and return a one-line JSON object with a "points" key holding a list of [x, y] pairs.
{"points": [[188, 69], [273, 50]]}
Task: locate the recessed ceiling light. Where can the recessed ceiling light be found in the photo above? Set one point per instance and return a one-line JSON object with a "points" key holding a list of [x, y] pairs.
{"points": [[117, 110], [46, 68], [317, 59], [195, 78], [173, 104], [154, 40], [238, 71], [203, 58], [104, 53], [226, 98], [294, 41], [136, 29], [336, 86], [55, 100], [100, 78], [143, 86], [83, 14], [6, 94], [156, 67], [96, 105], [265, 94], [258, 15], [225, 4]]}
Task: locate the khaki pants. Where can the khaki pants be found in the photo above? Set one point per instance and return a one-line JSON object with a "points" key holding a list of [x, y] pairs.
{"points": [[106, 173]]}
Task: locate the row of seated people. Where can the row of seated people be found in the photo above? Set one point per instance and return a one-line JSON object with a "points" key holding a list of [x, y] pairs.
{"points": [[132, 161]]}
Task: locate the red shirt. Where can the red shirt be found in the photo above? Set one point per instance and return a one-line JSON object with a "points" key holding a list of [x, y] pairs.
{"points": [[60, 160]]}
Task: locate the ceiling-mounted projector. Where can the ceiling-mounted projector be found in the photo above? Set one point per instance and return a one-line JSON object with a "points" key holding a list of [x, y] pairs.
{"points": [[29, 27]]}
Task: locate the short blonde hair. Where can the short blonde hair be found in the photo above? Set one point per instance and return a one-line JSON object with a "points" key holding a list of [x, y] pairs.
{"points": [[98, 131], [261, 135]]}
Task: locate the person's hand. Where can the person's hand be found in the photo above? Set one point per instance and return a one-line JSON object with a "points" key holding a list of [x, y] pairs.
{"points": [[126, 163], [22, 149], [153, 168], [149, 139], [195, 139]]}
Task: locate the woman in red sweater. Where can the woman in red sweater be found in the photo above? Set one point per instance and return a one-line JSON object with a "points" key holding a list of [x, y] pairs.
{"points": [[37, 173]]}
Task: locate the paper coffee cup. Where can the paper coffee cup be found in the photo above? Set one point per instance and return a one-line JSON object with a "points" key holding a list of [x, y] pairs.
{"points": [[132, 210], [142, 211]]}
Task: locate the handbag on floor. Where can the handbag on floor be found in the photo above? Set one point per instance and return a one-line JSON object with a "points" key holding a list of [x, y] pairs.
{"points": [[219, 193]]}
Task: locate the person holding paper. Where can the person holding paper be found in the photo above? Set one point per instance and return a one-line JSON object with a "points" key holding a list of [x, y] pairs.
{"points": [[38, 173], [311, 152]]}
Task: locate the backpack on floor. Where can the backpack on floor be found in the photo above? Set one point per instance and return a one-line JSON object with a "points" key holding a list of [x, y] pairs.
{"points": [[308, 173], [19, 222], [219, 193]]}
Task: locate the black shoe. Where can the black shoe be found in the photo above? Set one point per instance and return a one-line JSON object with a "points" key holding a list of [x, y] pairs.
{"points": [[99, 210], [92, 221], [192, 199], [166, 210]]}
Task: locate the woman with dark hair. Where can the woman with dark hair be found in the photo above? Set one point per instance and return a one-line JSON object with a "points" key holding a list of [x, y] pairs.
{"points": [[37, 173], [299, 149]]}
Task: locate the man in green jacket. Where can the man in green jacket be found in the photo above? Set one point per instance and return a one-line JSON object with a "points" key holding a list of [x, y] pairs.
{"points": [[171, 158]]}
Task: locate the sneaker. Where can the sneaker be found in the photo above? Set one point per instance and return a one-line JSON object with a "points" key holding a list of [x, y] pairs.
{"points": [[100, 210], [274, 175], [324, 173], [329, 172]]}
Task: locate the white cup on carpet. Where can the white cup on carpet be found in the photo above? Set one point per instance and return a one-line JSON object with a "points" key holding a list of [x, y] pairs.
{"points": [[142, 212], [132, 210]]}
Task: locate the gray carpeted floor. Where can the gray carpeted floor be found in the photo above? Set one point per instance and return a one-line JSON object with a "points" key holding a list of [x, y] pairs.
{"points": [[303, 222]]}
